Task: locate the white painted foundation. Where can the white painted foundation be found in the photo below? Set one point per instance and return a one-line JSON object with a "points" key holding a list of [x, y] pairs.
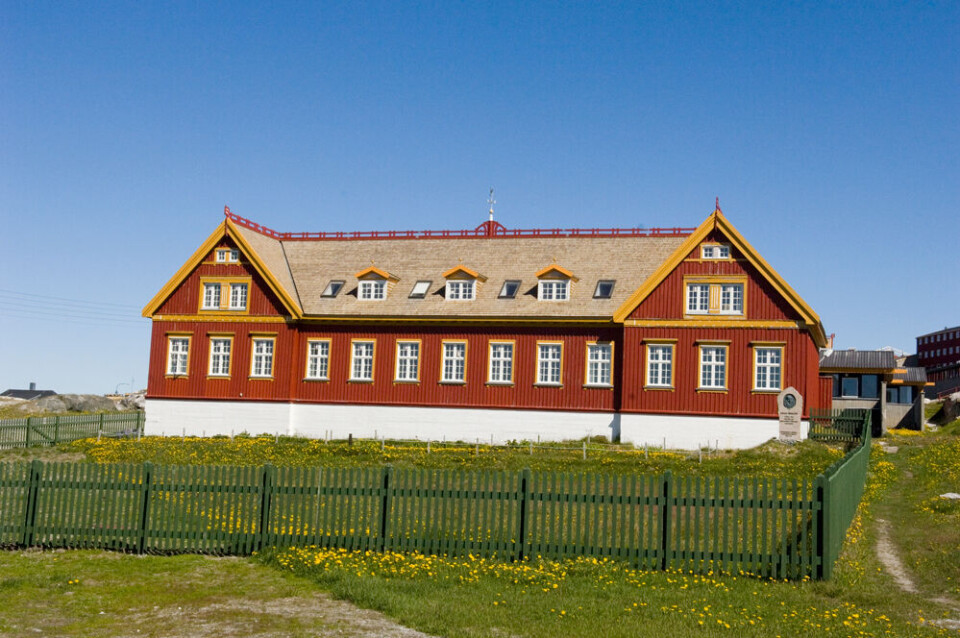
{"points": [[173, 417]]}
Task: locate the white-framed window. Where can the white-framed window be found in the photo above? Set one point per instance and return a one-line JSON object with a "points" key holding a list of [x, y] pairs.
{"points": [[373, 289], [461, 290], [768, 363], [454, 362], [178, 356], [501, 362], [604, 289], [318, 359], [698, 299], [731, 299], [660, 365], [333, 288], [715, 251], [227, 255], [220, 348], [553, 290], [261, 363], [361, 361], [549, 363], [238, 296], [211, 296], [509, 289], [408, 361], [420, 289], [713, 367], [599, 364]]}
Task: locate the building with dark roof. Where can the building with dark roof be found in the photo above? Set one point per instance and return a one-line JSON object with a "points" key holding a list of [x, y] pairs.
{"points": [[873, 380], [29, 394], [939, 353]]}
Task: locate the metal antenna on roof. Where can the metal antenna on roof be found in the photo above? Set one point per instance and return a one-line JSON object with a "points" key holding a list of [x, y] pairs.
{"points": [[491, 201]]}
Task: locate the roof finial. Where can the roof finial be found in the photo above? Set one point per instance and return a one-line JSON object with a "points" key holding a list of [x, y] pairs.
{"points": [[491, 201], [718, 204]]}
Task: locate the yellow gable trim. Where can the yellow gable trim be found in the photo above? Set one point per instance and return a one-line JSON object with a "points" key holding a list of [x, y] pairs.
{"points": [[463, 269], [379, 272], [226, 229], [717, 221], [555, 268]]}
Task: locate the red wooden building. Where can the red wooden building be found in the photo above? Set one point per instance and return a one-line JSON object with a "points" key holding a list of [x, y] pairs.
{"points": [[676, 336]]}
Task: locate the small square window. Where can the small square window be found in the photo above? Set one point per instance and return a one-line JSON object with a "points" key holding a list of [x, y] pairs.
{"points": [[604, 289], [420, 289], [333, 288], [509, 289]]}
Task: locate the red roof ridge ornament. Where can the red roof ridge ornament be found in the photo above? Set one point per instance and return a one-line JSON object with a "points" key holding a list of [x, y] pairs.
{"points": [[718, 207]]}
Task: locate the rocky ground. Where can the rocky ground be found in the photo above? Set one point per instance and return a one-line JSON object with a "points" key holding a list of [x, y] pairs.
{"points": [[66, 403]]}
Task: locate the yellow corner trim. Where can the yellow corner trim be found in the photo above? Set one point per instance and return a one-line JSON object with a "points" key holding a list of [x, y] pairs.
{"points": [[379, 272], [713, 342], [768, 344], [555, 268], [223, 318], [460, 268]]}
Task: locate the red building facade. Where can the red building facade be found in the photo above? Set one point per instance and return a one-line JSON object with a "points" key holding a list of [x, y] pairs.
{"points": [[677, 336]]}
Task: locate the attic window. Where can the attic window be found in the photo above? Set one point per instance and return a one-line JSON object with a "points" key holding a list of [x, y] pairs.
{"points": [[373, 290], [461, 290], [554, 290], [420, 289], [604, 289], [715, 251], [227, 255], [333, 288], [509, 289]]}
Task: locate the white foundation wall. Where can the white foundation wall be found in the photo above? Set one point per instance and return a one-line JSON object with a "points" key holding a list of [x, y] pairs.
{"points": [[173, 417], [694, 432]]}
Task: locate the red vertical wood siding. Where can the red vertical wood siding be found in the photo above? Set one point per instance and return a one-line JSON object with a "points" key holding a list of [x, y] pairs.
{"points": [[185, 300], [668, 301]]}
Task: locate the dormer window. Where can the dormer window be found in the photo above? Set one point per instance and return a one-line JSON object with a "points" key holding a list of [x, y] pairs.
{"points": [[333, 288], [227, 255], [461, 290], [462, 283], [374, 284], [715, 251], [604, 289], [554, 284], [373, 290], [553, 290]]}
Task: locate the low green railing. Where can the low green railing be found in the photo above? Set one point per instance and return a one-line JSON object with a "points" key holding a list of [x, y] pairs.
{"points": [[51, 430], [772, 527]]}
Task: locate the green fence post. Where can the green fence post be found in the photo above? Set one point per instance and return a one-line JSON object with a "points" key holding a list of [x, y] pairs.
{"points": [[30, 513], [266, 492], [29, 425], [525, 488], [145, 506], [386, 481], [100, 426], [820, 525], [665, 488], [56, 429]]}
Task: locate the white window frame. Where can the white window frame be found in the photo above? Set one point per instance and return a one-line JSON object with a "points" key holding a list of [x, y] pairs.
{"points": [[731, 299], [407, 366], [500, 368], [372, 290], [713, 367], [599, 373], [178, 355], [227, 256], [362, 353], [764, 370], [549, 363], [660, 367], [262, 351], [698, 299], [453, 362], [221, 350], [461, 290], [211, 296], [318, 360], [239, 293], [715, 251], [553, 290]]}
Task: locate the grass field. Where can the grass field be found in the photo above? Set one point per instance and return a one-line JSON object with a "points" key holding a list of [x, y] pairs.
{"points": [[190, 595], [774, 459]]}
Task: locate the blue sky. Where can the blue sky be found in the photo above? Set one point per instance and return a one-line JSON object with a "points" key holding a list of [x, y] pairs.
{"points": [[830, 132]]}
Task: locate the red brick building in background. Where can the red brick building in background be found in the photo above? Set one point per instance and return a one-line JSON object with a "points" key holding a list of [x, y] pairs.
{"points": [[682, 336]]}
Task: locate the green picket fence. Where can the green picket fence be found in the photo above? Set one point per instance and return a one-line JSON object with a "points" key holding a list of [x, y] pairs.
{"points": [[772, 527], [50, 430]]}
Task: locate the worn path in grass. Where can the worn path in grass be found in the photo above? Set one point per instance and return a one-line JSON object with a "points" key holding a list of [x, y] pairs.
{"points": [[103, 594]]}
